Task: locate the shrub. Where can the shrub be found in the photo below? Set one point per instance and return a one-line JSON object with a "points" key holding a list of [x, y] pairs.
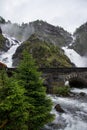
{"points": [[62, 91]]}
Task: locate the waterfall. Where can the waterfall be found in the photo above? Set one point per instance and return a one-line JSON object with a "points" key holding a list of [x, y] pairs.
{"points": [[13, 44], [79, 61], [75, 58]]}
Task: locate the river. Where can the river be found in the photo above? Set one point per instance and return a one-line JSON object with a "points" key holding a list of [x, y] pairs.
{"points": [[75, 115]]}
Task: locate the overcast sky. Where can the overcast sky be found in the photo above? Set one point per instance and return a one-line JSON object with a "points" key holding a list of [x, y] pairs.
{"points": [[68, 14]]}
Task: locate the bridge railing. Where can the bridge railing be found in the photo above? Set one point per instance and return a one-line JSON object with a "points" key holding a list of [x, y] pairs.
{"points": [[58, 70], [63, 70]]}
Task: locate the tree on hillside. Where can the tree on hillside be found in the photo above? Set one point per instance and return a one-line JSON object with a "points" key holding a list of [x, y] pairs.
{"points": [[30, 78], [13, 104]]}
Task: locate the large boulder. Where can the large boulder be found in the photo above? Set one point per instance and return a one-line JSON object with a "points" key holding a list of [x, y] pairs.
{"points": [[59, 109], [82, 94]]}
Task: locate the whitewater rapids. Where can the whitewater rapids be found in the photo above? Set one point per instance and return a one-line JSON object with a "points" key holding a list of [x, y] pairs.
{"points": [[75, 116]]}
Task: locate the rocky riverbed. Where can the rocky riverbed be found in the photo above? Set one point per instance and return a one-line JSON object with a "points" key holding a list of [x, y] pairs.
{"points": [[74, 114]]}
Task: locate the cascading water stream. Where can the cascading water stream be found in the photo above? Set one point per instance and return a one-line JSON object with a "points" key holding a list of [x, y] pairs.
{"points": [[79, 61], [75, 116], [13, 44], [75, 58]]}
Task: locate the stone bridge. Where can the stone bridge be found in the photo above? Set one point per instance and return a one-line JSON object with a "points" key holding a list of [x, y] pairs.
{"points": [[75, 77]]}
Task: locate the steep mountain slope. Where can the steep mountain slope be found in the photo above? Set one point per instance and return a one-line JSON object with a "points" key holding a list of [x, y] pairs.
{"points": [[56, 35], [75, 46], [80, 44], [46, 49], [45, 53], [46, 32]]}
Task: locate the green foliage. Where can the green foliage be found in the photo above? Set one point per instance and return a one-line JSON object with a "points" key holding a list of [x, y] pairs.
{"points": [[23, 101], [62, 91], [30, 78], [13, 104], [44, 53]]}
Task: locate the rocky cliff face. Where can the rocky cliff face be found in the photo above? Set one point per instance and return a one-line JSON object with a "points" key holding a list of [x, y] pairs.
{"points": [[46, 32], [43, 41], [2, 20], [2, 41], [80, 43], [44, 53], [48, 36], [49, 33]]}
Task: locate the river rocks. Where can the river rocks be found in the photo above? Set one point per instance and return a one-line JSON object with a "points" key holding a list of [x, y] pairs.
{"points": [[59, 109], [82, 94]]}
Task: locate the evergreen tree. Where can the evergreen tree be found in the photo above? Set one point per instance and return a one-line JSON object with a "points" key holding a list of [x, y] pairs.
{"points": [[13, 104], [30, 78]]}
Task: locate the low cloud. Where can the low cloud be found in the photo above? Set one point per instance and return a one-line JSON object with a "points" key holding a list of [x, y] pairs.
{"points": [[21, 33], [68, 14]]}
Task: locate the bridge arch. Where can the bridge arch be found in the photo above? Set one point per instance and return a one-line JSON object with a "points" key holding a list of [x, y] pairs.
{"points": [[75, 80]]}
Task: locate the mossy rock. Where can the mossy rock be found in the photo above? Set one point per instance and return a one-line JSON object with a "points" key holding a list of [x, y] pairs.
{"points": [[59, 108]]}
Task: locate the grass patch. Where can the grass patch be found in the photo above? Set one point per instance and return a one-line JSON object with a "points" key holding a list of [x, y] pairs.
{"points": [[62, 91]]}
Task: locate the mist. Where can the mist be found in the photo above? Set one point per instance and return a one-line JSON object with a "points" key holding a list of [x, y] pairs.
{"points": [[20, 32]]}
